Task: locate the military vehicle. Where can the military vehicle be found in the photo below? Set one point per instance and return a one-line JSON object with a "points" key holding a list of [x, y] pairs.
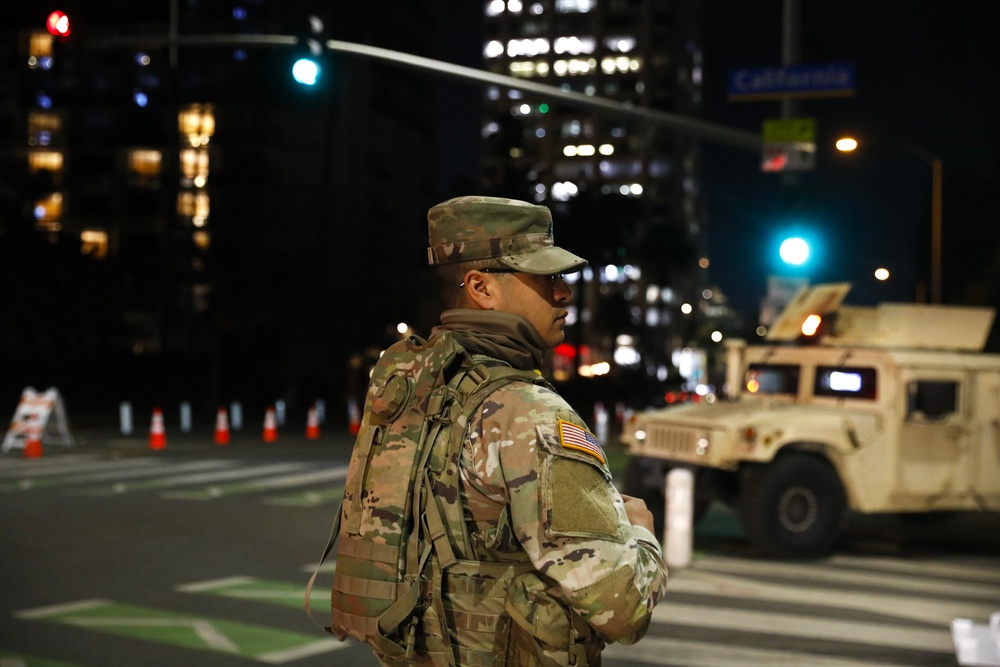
{"points": [[886, 409]]}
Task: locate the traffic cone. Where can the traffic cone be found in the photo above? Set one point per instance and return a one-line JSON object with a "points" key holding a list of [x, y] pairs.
{"points": [[312, 424], [221, 427], [32, 444], [353, 417], [270, 426], [157, 436]]}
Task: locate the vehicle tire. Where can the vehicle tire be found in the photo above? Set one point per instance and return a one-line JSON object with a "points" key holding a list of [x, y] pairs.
{"points": [[792, 507]]}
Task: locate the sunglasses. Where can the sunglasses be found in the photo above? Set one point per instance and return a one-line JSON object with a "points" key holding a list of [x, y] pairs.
{"points": [[554, 278]]}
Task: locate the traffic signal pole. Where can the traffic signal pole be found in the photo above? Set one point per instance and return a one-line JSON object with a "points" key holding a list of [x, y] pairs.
{"points": [[683, 124]]}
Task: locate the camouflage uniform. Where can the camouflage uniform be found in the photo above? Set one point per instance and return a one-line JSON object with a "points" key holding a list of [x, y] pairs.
{"points": [[535, 484]]}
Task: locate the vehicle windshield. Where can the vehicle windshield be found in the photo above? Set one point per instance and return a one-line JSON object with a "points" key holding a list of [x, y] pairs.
{"points": [[770, 379]]}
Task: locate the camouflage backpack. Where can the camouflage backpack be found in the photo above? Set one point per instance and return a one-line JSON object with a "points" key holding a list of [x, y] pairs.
{"points": [[404, 580]]}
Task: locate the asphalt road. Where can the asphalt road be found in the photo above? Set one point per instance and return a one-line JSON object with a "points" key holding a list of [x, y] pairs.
{"points": [[112, 554]]}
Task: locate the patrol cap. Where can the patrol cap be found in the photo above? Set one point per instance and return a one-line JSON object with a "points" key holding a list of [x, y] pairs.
{"points": [[516, 233]]}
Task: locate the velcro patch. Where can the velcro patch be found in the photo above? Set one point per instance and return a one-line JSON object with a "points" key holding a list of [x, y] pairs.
{"points": [[576, 437]]}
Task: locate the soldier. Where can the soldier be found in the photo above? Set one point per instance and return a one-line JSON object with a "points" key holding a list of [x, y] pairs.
{"points": [[534, 486]]}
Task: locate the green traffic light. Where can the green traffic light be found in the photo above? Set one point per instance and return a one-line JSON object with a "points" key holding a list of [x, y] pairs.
{"points": [[306, 71], [543, 108]]}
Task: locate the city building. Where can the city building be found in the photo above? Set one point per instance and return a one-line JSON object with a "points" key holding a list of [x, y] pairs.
{"points": [[628, 190]]}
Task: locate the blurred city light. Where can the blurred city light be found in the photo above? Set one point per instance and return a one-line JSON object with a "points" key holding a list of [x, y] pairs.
{"points": [[306, 71], [846, 144], [881, 274], [794, 251]]}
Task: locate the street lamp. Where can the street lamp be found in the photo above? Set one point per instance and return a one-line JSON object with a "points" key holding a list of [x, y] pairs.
{"points": [[847, 144]]}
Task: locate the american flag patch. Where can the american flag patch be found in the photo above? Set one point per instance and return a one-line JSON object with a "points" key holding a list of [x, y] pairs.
{"points": [[572, 436]]}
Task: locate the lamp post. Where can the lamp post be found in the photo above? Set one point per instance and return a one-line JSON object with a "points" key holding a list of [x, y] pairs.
{"points": [[847, 144]]}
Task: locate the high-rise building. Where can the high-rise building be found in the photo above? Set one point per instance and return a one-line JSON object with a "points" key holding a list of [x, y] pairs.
{"points": [[187, 211], [628, 189]]}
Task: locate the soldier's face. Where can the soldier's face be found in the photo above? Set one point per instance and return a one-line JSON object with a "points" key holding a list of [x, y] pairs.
{"points": [[541, 300]]}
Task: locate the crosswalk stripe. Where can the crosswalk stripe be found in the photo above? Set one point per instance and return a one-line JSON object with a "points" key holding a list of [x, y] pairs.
{"points": [[685, 653], [968, 571], [904, 607], [153, 468], [804, 573], [193, 479], [793, 625], [72, 467], [215, 491]]}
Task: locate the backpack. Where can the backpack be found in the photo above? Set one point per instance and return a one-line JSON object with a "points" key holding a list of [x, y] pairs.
{"points": [[403, 579]]}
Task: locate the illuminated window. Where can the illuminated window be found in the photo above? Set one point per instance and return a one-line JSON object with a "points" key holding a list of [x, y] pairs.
{"points": [[94, 243], [622, 44], [46, 161], [48, 212], [195, 206], [42, 127], [40, 50], [144, 166], [495, 8], [196, 124], [575, 46], [574, 6], [202, 239], [194, 167]]}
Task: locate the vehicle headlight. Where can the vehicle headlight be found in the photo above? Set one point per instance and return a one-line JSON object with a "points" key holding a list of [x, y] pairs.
{"points": [[640, 434], [702, 444]]}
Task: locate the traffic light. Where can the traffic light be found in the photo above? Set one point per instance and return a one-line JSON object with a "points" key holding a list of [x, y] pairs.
{"points": [[58, 25], [307, 66]]}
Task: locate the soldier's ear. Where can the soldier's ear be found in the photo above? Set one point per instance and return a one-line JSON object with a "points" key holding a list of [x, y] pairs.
{"points": [[481, 290]]}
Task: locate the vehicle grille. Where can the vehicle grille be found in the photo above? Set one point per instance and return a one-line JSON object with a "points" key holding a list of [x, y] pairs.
{"points": [[669, 442]]}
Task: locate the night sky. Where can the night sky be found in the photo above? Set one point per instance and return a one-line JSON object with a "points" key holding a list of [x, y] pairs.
{"points": [[926, 76]]}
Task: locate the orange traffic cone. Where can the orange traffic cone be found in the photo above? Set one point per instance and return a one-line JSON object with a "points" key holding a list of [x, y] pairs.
{"points": [[32, 444], [221, 427], [312, 424], [270, 426], [353, 417], [157, 436]]}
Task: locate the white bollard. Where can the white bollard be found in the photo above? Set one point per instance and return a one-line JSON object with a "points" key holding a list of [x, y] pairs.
{"points": [[235, 416], [679, 524], [185, 417], [320, 410], [601, 422], [125, 416], [279, 412]]}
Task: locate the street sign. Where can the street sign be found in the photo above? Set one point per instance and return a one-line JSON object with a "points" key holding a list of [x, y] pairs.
{"points": [[791, 81], [789, 145]]}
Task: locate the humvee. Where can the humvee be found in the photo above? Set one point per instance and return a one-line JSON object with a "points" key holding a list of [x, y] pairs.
{"points": [[886, 409]]}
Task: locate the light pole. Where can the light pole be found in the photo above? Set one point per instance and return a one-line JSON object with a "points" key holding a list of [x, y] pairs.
{"points": [[847, 144]]}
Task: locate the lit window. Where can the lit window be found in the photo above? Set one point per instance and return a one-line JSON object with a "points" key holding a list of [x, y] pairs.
{"points": [[194, 167], [194, 205], [493, 49], [202, 239], [564, 191], [514, 6], [495, 8], [48, 212], [51, 161], [39, 48], [94, 243], [144, 166], [620, 44], [196, 124], [575, 46], [574, 6], [41, 127]]}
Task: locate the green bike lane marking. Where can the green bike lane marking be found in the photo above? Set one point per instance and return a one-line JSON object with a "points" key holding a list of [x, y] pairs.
{"points": [[306, 498], [259, 590], [256, 642], [8, 659], [191, 479], [278, 482]]}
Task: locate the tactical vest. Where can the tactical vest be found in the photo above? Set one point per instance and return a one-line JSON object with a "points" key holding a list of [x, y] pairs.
{"points": [[407, 581]]}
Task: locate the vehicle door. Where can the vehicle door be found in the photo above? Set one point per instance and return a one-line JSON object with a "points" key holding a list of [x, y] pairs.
{"points": [[935, 457]]}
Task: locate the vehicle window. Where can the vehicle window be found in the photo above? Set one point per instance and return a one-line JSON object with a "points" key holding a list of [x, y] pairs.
{"points": [[932, 400], [840, 382], [772, 379]]}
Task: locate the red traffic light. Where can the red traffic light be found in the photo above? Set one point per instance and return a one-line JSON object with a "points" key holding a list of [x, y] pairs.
{"points": [[58, 24]]}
